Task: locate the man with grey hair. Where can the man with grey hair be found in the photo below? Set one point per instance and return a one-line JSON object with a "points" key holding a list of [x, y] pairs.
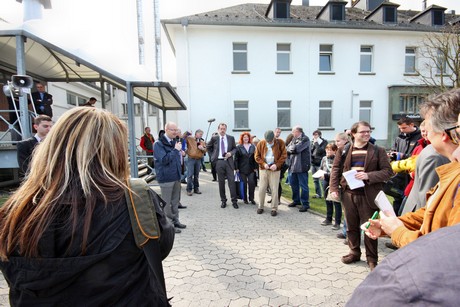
{"points": [[167, 152], [300, 159]]}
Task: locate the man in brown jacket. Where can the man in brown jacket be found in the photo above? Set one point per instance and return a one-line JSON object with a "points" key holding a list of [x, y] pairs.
{"points": [[270, 155], [373, 168], [196, 147]]}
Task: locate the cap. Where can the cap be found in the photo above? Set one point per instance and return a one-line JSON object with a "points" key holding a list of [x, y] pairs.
{"points": [[269, 136]]}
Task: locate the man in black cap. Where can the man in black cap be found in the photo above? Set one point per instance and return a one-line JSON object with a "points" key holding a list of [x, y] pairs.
{"points": [[270, 155]]}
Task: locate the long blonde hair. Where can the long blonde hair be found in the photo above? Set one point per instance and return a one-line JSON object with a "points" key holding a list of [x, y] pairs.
{"points": [[83, 161]]}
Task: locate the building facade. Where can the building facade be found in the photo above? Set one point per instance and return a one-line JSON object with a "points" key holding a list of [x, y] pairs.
{"points": [[257, 67]]}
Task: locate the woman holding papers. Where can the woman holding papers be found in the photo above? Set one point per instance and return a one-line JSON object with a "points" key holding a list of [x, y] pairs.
{"points": [[326, 166]]}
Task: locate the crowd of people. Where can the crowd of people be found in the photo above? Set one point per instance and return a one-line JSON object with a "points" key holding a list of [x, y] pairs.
{"points": [[422, 168]]}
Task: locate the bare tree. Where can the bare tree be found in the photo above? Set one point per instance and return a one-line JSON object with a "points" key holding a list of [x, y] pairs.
{"points": [[439, 66]]}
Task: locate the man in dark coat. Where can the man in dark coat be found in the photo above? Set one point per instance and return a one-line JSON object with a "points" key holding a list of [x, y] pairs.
{"points": [[25, 148], [42, 100]]}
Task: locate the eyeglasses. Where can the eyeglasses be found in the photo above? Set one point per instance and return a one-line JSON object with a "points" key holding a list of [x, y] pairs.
{"points": [[364, 132], [453, 134]]}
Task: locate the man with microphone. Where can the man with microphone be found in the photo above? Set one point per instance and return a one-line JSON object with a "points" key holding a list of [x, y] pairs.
{"points": [[167, 152]]}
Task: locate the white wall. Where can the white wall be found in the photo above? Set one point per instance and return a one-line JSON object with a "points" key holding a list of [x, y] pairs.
{"points": [[205, 83]]}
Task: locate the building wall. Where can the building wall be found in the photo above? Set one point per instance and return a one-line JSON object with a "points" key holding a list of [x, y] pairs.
{"points": [[207, 85]]}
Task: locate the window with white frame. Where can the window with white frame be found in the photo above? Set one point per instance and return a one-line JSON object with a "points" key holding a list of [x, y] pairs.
{"points": [[325, 114], [284, 113], [365, 110], [240, 56], [283, 57], [75, 100], [137, 109], [153, 111], [366, 59], [410, 60], [241, 114], [325, 58], [441, 63]]}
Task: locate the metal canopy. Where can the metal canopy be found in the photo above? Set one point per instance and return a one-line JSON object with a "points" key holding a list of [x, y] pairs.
{"points": [[48, 62]]}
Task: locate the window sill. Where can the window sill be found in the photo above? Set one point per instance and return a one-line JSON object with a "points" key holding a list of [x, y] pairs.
{"points": [[326, 128], [240, 72], [411, 74], [326, 73], [285, 129], [241, 129], [284, 72], [366, 73]]}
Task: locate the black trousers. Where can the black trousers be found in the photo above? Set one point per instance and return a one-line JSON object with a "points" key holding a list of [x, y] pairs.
{"points": [[225, 171]]}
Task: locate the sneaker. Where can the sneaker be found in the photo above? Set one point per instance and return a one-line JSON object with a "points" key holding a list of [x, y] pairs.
{"points": [[316, 196], [274, 213], [326, 223], [260, 211], [341, 236], [336, 227], [350, 258]]}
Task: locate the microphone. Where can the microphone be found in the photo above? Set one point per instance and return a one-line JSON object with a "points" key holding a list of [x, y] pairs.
{"points": [[177, 139], [211, 120]]}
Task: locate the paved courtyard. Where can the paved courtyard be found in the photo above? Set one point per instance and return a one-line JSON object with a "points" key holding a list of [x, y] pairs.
{"points": [[235, 257]]}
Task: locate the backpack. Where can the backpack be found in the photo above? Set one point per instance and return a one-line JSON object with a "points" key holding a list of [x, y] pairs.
{"points": [[153, 232]]}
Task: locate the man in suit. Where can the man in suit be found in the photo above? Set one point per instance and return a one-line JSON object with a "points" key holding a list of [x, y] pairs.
{"points": [[223, 148], [42, 124], [42, 100], [373, 169]]}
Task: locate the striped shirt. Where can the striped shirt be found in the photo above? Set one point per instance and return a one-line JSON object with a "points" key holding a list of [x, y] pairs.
{"points": [[358, 158]]}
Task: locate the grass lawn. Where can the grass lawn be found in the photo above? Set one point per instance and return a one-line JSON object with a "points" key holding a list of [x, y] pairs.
{"points": [[316, 204]]}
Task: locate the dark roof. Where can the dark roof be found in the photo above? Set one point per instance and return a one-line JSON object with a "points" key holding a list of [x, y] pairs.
{"points": [[253, 14], [385, 3], [426, 11]]}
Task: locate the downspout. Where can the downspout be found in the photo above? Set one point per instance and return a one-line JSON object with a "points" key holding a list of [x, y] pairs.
{"points": [[184, 23], [158, 57], [131, 124]]}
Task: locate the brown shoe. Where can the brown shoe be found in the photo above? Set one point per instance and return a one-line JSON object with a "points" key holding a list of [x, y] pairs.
{"points": [[260, 211], [372, 265], [350, 258], [274, 213]]}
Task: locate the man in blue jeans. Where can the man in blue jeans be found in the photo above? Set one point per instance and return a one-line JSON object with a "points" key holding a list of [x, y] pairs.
{"points": [[299, 156]]}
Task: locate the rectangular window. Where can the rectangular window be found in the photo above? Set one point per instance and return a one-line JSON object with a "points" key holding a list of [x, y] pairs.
{"points": [[438, 18], [410, 60], [365, 110], [75, 100], [441, 64], [409, 103], [240, 56], [241, 114], [283, 57], [337, 12], [137, 109], [325, 57], [281, 9], [389, 14], [325, 114], [284, 114], [366, 59], [153, 111]]}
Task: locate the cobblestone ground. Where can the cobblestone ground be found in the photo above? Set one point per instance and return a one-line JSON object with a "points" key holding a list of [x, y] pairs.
{"points": [[235, 257]]}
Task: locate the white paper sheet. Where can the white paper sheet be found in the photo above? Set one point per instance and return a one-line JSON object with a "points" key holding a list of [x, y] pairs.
{"points": [[352, 182], [319, 173], [384, 204]]}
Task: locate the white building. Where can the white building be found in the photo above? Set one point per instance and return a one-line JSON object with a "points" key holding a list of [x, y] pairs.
{"points": [[256, 66]]}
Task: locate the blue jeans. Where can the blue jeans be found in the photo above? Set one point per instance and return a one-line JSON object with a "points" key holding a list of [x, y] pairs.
{"points": [[314, 169], [193, 171], [297, 181]]}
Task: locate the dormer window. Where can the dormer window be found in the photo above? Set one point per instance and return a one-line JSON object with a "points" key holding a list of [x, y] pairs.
{"points": [[281, 10], [337, 12], [438, 18], [389, 14]]}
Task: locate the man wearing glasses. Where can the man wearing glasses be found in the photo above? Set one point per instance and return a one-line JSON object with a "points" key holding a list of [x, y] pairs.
{"points": [[373, 169], [443, 203]]}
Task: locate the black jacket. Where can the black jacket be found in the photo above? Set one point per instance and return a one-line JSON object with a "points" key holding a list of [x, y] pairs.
{"points": [[244, 160], [114, 271], [405, 143], [25, 149], [43, 106], [318, 151]]}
